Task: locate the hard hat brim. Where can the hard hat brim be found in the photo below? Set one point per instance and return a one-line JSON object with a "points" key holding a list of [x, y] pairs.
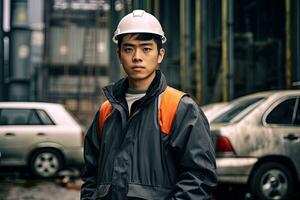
{"points": [[115, 38]]}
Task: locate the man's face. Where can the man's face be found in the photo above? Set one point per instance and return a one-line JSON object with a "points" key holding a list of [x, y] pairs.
{"points": [[139, 58]]}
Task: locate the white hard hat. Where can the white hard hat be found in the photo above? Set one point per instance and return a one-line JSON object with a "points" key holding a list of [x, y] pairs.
{"points": [[139, 21]]}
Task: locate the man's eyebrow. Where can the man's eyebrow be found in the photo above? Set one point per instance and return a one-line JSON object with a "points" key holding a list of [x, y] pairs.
{"points": [[147, 44], [142, 44], [128, 44]]}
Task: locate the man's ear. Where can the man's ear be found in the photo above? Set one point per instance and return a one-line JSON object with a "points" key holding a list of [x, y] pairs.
{"points": [[118, 54], [161, 55]]}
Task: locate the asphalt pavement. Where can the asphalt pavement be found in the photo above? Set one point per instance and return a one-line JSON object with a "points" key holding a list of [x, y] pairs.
{"points": [[35, 190], [18, 184]]}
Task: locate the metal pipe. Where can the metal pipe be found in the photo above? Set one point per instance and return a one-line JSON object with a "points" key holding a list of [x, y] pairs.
{"points": [[204, 53], [230, 50], [198, 67], [156, 9], [1, 54], [135, 4], [19, 55], [296, 61], [224, 50], [288, 54], [122, 13], [114, 71], [128, 6], [182, 55], [149, 6], [187, 37]]}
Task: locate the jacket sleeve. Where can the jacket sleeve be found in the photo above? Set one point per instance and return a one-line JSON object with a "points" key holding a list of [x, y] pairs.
{"points": [[91, 152], [192, 144]]}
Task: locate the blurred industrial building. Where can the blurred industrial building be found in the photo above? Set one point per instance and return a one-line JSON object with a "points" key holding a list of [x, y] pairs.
{"points": [[61, 50]]}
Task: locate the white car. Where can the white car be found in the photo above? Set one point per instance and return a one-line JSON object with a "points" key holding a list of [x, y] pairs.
{"points": [[213, 110], [257, 142], [42, 136]]}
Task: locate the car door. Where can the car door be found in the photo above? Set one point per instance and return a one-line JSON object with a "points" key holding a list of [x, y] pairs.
{"points": [[283, 123], [17, 134]]}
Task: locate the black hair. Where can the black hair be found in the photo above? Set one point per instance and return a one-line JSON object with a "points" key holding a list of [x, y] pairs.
{"points": [[143, 37]]}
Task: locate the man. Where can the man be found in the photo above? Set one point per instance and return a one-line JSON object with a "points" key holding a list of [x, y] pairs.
{"points": [[129, 152]]}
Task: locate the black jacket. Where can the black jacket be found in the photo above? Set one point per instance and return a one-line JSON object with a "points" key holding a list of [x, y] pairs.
{"points": [[134, 159]]}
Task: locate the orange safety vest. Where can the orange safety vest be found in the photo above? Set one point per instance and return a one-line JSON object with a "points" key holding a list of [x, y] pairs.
{"points": [[168, 105]]}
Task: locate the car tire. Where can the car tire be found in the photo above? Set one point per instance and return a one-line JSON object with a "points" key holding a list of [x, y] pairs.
{"points": [[271, 180], [46, 163]]}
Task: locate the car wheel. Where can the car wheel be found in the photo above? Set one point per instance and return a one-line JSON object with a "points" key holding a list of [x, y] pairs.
{"points": [[271, 181], [46, 163]]}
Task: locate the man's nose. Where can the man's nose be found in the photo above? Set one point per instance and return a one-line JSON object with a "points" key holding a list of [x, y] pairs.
{"points": [[137, 55]]}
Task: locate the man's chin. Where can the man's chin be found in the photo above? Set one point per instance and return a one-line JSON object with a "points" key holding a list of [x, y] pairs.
{"points": [[141, 76], [137, 78]]}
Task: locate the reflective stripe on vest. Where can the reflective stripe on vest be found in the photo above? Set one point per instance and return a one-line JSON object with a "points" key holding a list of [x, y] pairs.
{"points": [[166, 114]]}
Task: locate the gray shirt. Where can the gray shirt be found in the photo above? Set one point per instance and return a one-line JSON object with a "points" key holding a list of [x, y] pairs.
{"points": [[133, 95]]}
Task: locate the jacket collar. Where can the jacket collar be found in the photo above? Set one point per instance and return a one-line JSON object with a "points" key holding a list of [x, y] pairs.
{"points": [[115, 93]]}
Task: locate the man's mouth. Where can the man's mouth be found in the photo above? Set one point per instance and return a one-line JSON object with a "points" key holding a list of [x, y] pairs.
{"points": [[137, 68]]}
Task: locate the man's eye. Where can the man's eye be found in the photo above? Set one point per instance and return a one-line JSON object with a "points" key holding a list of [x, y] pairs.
{"points": [[146, 50], [128, 50]]}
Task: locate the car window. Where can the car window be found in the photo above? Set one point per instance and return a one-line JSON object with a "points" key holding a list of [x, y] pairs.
{"points": [[297, 117], [282, 113], [33, 118], [18, 117], [234, 109], [44, 117]]}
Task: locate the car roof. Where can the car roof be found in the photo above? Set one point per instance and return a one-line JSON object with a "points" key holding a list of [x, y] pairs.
{"points": [[29, 104], [270, 93], [57, 111]]}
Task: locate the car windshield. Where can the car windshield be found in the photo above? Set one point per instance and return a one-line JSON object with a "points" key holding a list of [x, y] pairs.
{"points": [[237, 109]]}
